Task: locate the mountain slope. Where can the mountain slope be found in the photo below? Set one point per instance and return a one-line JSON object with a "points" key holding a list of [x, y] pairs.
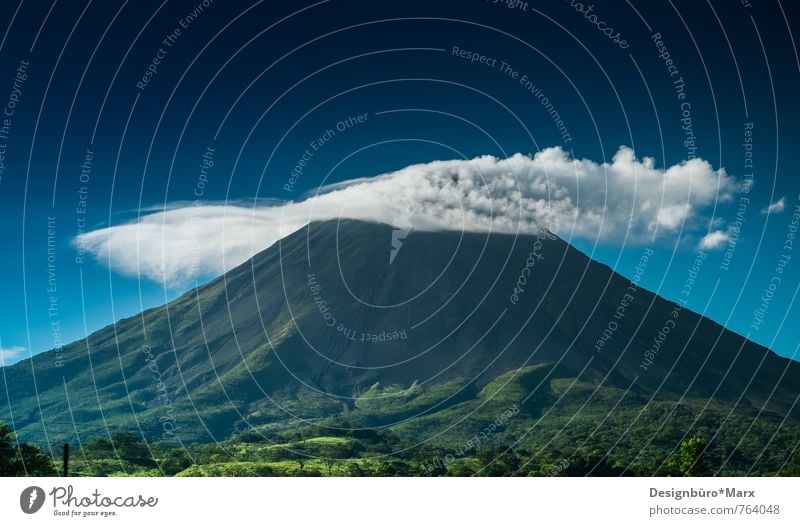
{"points": [[325, 324]]}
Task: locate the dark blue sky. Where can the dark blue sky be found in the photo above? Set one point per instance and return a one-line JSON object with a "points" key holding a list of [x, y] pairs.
{"points": [[258, 81]]}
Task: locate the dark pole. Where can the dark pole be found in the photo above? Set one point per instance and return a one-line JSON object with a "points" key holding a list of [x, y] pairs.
{"points": [[66, 459]]}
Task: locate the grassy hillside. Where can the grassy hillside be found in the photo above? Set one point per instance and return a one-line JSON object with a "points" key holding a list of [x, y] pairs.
{"points": [[509, 427]]}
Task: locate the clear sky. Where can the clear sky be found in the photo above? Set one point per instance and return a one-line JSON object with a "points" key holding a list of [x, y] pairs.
{"points": [[110, 108]]}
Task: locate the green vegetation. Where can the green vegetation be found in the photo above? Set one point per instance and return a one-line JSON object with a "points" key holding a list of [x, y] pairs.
{"points": [[519, 424], [369, 455], [691, 458], [18, 459], [471, 437]]}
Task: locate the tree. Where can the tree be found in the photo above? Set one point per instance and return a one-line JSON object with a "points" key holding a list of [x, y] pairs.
{"points": [[460, 469], [33, 463], [791, 466], [583, 463], [394, 468], [297, 456], [21, 459], [437, 469], [691, 458], [498, 462], [96, 448], [175, 461], [354, 470], [7, 454], [130, 447]]}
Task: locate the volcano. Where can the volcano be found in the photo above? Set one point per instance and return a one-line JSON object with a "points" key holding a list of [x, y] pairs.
{"points": [[396, 328]]}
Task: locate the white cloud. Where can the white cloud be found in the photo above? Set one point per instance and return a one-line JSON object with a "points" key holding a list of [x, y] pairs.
{"points": [[9, 355], [775, 208], [577, 197], [714, 240]]}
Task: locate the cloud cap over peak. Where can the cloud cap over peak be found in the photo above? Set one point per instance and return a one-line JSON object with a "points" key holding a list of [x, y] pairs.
{"points": [[609, 201]]}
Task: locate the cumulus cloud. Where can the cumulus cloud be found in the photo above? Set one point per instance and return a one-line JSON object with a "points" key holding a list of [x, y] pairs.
{"points": [[9, 355], [714, 240], [775, 208], [579, 197]]}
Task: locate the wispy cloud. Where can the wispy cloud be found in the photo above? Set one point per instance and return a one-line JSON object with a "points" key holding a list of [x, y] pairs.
{"points": [[579, 197], [10, 355], [775, 208]]}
